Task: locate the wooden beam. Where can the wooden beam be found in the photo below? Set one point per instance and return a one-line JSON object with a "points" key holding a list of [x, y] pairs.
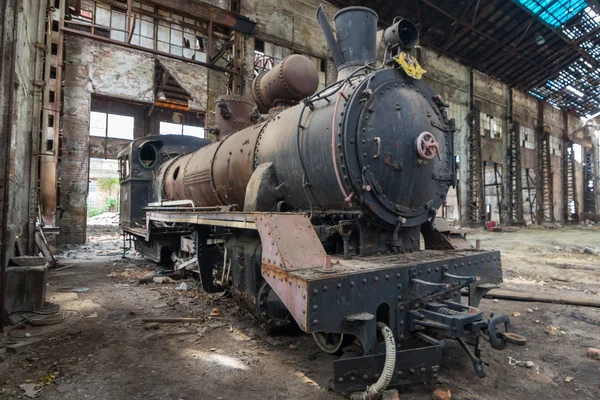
{"points": [[555, 298]]}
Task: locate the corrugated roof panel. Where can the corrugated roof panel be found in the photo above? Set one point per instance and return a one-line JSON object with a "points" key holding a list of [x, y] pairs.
{"points": [[554, 12]]}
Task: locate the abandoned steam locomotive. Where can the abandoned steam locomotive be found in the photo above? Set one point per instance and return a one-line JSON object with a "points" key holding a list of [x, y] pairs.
{"points": [[310, 208]]}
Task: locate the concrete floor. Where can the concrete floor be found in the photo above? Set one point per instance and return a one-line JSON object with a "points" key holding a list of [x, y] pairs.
{"points": [[109, 353]]}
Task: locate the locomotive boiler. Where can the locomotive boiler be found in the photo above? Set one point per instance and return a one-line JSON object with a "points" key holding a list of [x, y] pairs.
{"points": [[319, 209]]}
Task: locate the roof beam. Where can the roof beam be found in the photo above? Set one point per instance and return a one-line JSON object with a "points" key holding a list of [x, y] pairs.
{"points": [[452, 38], [482, 34]]}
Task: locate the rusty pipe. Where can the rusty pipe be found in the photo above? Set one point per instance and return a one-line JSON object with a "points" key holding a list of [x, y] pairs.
{"points": [[233, 113], [290, 81]]}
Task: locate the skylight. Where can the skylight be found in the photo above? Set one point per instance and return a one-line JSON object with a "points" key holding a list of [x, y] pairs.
{"points": [[553, 12]]}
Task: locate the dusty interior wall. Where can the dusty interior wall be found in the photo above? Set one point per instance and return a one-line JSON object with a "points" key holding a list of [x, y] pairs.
{"points": [[451, 80], [448, 78], [96, 68], [22, 29], [292, 24], [525, 113], [554, 121]]}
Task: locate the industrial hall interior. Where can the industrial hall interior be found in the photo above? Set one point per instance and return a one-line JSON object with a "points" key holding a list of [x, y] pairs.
{"points": [[300, 199]]}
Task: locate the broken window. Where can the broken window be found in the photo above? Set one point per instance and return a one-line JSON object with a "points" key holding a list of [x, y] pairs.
{"points": [[170, 33], [527, 138], [169, 128], [555, 146], [578, 152], [491, 127], [111, 125], [180, 39]]}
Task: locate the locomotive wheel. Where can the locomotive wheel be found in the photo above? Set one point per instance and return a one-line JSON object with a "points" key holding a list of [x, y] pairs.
{"points": [[332, 343]]}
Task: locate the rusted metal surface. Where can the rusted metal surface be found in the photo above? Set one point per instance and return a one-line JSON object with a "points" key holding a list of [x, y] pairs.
{"points": [[197, 177], [233, 165], [290, 242], [172, 183], [217, 174], [292, 290], [291, 80], [233, 113]]}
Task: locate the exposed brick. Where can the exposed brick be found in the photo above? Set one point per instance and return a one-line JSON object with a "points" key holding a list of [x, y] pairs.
{"points": [[441, 394]]}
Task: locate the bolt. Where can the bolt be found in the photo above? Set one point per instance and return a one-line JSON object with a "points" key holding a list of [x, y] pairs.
{"points": [[341, 380], [315, 321], [352, 379], [423, 369]]}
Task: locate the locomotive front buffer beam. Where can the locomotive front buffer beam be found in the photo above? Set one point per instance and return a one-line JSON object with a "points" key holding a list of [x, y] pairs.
{"points": [[418, 296]]}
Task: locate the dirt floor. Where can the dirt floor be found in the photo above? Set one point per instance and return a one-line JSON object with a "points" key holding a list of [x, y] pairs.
{"points": [[103, 349]]}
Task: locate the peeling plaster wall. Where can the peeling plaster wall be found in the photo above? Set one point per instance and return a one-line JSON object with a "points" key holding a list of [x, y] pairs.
{"points": [[96, 68], [21, 30]]}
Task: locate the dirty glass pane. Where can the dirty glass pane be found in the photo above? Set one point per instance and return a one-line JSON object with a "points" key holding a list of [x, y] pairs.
{"points": [[200, 56], [147, 29], [188, 53], [177, 50], [147, 42], [167, 128], [135, 40], [162, 46], [102, 16], [117, 35], [120, 127], [195, 131], [117, 20], [97, 124], [176, 37], [163, 33]]}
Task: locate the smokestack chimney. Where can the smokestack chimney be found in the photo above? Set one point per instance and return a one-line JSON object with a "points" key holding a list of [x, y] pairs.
{"points": [[356, 33]]}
